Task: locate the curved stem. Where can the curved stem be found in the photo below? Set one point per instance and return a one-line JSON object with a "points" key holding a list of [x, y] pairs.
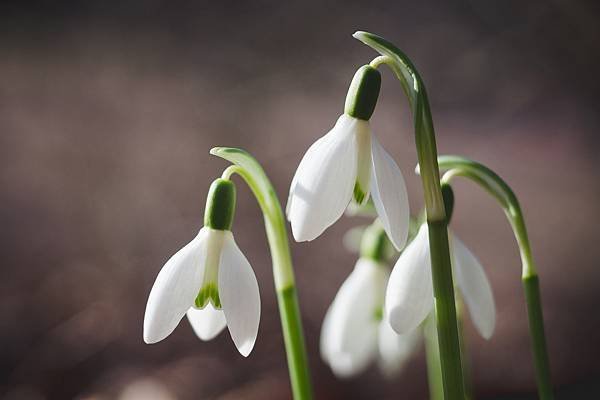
{"points": [[493, 184], [283, 273], [443, 286]]}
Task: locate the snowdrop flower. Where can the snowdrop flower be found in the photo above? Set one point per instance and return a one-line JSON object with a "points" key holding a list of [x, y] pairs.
{"points": [[349, 162], [354, 332], [409, 296], [210, 280]]}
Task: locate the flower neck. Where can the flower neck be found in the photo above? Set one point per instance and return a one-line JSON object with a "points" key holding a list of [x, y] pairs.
{"points": [[375, 244]]}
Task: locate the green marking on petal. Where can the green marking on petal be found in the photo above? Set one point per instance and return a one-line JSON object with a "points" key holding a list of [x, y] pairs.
{"points": [[378, 314], [208, 293], [359, 194]]}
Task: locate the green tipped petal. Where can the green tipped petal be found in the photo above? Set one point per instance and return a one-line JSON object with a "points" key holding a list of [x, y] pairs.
{"points": [[208, 293]]}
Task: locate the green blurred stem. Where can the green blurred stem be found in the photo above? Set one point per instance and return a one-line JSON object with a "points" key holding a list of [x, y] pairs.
{"points": [[443, 287], [250, 170], [493, 184], [432, 353], [464, 356]]}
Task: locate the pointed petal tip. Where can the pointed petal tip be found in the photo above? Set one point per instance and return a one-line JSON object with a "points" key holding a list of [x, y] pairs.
{"points": [[487, 333], [300, 233], [246, 348], [152, 339]]}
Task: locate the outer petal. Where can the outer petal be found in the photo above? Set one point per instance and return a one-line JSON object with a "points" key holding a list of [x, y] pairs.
{"points": [[395, 350], [240, 298], [389, 195], [207, 323], [175, 289], [475, 287], [324, 181], [349, 333], [409, 296]]}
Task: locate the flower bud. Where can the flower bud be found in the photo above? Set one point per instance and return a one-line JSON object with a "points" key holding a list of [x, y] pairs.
{"points": [[363, 93], [220, 205]]}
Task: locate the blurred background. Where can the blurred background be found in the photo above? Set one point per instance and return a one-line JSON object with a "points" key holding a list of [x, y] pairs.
{"points": [[107, 113]]}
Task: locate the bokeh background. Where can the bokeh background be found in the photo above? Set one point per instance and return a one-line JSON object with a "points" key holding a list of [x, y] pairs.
{"points": [[107, 113]]}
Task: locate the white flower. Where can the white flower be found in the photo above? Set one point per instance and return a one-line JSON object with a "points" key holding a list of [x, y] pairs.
{"points": [[409, 296], [212, 282], [354, 335], [347, 161]]}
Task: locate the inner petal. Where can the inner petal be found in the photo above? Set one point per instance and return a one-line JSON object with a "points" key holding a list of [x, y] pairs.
{"points": [[209, 290], [363, 158]]}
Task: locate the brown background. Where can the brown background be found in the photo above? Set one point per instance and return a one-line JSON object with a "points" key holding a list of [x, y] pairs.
{"points": [[107, 114]]}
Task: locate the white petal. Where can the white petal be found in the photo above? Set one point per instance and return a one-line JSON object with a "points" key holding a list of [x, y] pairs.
{"points": [[349, 333], [324, 181], [389, 195], [208, 322], [175, 289], [409, 296], [395, 350], [475, 287], [240, 298]]}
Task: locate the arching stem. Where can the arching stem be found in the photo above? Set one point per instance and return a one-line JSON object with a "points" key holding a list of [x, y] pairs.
{"points": [[443, 286], [493, 184], [283, 273]]}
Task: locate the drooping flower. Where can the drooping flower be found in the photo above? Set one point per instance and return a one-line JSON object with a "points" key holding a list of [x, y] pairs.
{"points": [[210, 280], [409, 295], [355, 333], [349, 162]]}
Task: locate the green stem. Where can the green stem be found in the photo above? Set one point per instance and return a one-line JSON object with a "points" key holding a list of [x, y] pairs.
{"points": [[443, 287], [432, 353], [531, 285], [460, 315], [283, 273], [493, 184]]}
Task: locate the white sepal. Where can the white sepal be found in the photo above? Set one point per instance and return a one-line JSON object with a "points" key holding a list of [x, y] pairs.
{"points": [[240, 297], [323, 184], [409, 295], [389, 195], [475, 288], [175, 289], [206, 323], [349, 333]]}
